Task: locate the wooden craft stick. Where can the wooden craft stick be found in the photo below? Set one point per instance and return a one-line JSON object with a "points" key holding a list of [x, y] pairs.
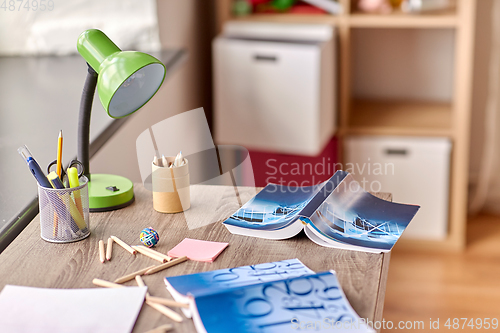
{"points": [[101, 251], [167, 302], [149, 254], [161, 329], [123, 244], [109, 249], [166, 265], [131, 276], [165, 311], [106, 284], [154, 252]]}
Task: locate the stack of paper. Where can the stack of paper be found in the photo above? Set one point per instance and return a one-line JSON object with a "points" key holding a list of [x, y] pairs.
{"points": [[28, 309]]}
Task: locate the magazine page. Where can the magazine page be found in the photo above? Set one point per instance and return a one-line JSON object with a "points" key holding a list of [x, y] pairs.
{"points": [[328, 187], [273, 208], [308, 303], [207, 282], [352, 216]]}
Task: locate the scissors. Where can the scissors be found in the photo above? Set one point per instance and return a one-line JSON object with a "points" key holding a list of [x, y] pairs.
{"points": [[73, 163]]}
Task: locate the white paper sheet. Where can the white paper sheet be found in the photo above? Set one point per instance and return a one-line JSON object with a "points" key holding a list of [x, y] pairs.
{"points": [[28, 309]]}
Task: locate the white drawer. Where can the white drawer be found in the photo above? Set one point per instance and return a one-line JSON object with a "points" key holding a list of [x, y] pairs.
{"points": [[274, 96], [414, 170]]}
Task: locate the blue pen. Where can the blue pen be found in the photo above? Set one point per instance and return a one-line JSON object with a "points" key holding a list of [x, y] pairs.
{"points": [[34, 167]]}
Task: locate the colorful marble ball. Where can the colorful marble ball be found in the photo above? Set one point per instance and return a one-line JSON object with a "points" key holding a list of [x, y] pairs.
{"points": [[149, 237]]}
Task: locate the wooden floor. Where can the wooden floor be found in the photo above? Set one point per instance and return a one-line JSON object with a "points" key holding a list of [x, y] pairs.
{"points": [[465, 285]]}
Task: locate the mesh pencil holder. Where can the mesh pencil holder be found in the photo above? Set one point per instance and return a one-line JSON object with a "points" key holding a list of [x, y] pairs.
{"points": [[64, 213]]}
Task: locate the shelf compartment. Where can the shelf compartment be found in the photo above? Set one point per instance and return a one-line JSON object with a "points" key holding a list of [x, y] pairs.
{"points": [[442, 19], [360, 20], [291, 18], [376, 117]]}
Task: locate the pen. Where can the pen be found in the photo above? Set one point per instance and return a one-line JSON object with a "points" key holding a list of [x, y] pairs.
{"points": [[34, 166]]}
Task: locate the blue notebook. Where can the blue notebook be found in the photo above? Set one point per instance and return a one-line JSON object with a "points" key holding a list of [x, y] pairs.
{"points": [[186, 287], [313, 302]]}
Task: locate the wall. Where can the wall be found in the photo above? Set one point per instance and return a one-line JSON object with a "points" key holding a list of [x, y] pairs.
{"points": [[396, 63], [189, 24], [186, 24], [480, 85]]}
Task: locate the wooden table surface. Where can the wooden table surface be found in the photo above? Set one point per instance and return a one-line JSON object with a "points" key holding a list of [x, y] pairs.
{"points": [[31, 261]]}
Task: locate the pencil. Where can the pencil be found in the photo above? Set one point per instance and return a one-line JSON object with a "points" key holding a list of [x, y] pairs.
{"points": [[59, 172], [101, 251], [140, 283], [166, 265], [149, 254], [154, 252], [167, 302], [161, 329], [109, 249], [155, 160], [160, 308], [131, 276], [106, 284], [165, 311], [59, 155], [123, 244]]}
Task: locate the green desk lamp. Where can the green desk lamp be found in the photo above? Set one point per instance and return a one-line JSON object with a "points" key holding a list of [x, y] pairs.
{"points": [[126, 80]]}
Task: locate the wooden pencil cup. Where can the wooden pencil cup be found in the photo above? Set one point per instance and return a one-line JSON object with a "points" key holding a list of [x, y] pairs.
{"points": [[171, 188]]}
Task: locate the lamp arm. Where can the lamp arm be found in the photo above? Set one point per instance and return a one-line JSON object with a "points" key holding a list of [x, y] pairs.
{"points": [[84, 119]]}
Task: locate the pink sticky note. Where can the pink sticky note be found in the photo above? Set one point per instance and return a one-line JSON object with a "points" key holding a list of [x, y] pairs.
{"points": [[198, 250]]}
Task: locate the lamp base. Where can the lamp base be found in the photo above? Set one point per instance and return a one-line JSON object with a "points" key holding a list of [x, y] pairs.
{"points": [[109, 192]]}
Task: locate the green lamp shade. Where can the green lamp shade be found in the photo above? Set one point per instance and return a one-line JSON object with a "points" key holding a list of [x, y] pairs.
{"points": [[126, 79]]}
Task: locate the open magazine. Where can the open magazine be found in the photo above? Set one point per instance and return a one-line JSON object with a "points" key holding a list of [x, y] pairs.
{"points": [[283, 296], [337, 213]]}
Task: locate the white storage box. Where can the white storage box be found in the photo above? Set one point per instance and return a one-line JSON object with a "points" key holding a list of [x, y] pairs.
{"points": [[414, 170], [274, 86]]}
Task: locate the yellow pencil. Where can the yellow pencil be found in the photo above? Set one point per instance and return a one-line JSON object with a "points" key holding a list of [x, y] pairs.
{"points": [[59, 155], [59, 172]]}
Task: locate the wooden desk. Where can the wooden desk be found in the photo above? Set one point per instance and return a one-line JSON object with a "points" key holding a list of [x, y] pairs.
{"points": [[30, 261]]}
